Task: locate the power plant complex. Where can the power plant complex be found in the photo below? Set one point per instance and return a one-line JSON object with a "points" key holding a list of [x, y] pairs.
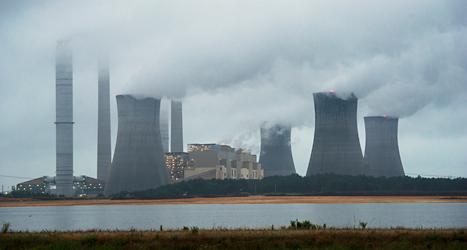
{"points": [[144, 159], [276, 151]]}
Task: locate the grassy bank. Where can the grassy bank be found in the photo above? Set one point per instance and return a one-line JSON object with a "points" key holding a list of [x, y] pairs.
{"points": [[193, 238]]}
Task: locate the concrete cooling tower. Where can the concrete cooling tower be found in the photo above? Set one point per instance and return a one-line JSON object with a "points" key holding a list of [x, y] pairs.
{"points": [[276, 153], [336, 147], [139, 161], [64, 118], [382, 149]]}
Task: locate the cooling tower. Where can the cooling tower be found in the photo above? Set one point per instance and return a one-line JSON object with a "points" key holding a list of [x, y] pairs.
{"points": [[103, 119], [336, 147], [64, 118], [139, 160], [176, 127], [382, 149], [276, 153]]}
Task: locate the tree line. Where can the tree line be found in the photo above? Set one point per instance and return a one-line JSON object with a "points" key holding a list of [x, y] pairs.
{"points": [[325, 184], [312, 185]]}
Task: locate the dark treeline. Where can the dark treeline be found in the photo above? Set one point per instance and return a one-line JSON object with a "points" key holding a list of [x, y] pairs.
{"points": [[27, 194], [317, 184]]}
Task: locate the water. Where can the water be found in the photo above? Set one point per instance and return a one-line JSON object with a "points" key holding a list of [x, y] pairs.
{"points": [[380, 215]]}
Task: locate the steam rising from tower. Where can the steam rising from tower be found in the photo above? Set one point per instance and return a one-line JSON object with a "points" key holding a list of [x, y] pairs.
{"points": [[64, 118], [336, 147], [103, 120], [139, 161], [382, 149], [276, 153]]}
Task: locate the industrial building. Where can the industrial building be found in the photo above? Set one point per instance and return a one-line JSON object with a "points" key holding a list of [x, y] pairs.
{"points": [[82, 186], [139, 162], [222, 162], [103, 119], [336, 146], [177, 163], [382, 156], [276, 151], [64, 118]]}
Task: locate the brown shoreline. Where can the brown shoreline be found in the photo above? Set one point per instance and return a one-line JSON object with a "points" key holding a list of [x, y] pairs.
{"points": [[258, 199]]}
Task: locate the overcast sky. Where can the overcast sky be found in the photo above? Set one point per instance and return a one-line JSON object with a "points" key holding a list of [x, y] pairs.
{"points": [[236, 64]]}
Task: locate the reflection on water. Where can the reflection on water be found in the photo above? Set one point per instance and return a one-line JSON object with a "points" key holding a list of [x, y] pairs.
{"points": [[427, 215]]}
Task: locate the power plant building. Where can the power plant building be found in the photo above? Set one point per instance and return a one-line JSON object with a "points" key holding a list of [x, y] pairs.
{"points": [[177, 162], [222, 162], [103, 120], [382, 156], [82, 186], [139, 162], [276, 151], [336, 146], [64, 119], [176, 127]]}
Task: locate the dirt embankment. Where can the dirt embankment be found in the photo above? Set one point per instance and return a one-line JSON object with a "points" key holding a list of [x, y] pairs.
{"points": [[18, 202]]}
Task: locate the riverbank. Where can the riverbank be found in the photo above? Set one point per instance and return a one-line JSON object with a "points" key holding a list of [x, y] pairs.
{"points": [[257, 199], [334, 238]]}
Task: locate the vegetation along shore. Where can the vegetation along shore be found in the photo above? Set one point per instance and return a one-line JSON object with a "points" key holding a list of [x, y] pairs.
{"points": [[285, 237]]}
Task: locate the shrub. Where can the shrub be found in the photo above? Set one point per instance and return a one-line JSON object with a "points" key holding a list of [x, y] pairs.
{"points": [[5, 227]]}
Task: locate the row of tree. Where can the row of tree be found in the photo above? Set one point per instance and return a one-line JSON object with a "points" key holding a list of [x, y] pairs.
{"points": [[317, 184], [326, 184]]}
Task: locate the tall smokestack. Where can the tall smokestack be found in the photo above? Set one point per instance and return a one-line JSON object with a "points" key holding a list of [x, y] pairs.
{"points": [[139, 161], [336, 147], [176, 127], [382, 156], [103, 119], [276, 152], [64, 118], [164, 124]]}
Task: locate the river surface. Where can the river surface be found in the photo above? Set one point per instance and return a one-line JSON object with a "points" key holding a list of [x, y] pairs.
{"points": [[125, 217]]}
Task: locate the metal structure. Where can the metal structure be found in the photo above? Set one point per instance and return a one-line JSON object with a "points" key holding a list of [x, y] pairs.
{"points": [[382, 156], [103, 120], [176, 127], [164, 124], [336, 147], [139, 160], [64, 118], [276, 152]]}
